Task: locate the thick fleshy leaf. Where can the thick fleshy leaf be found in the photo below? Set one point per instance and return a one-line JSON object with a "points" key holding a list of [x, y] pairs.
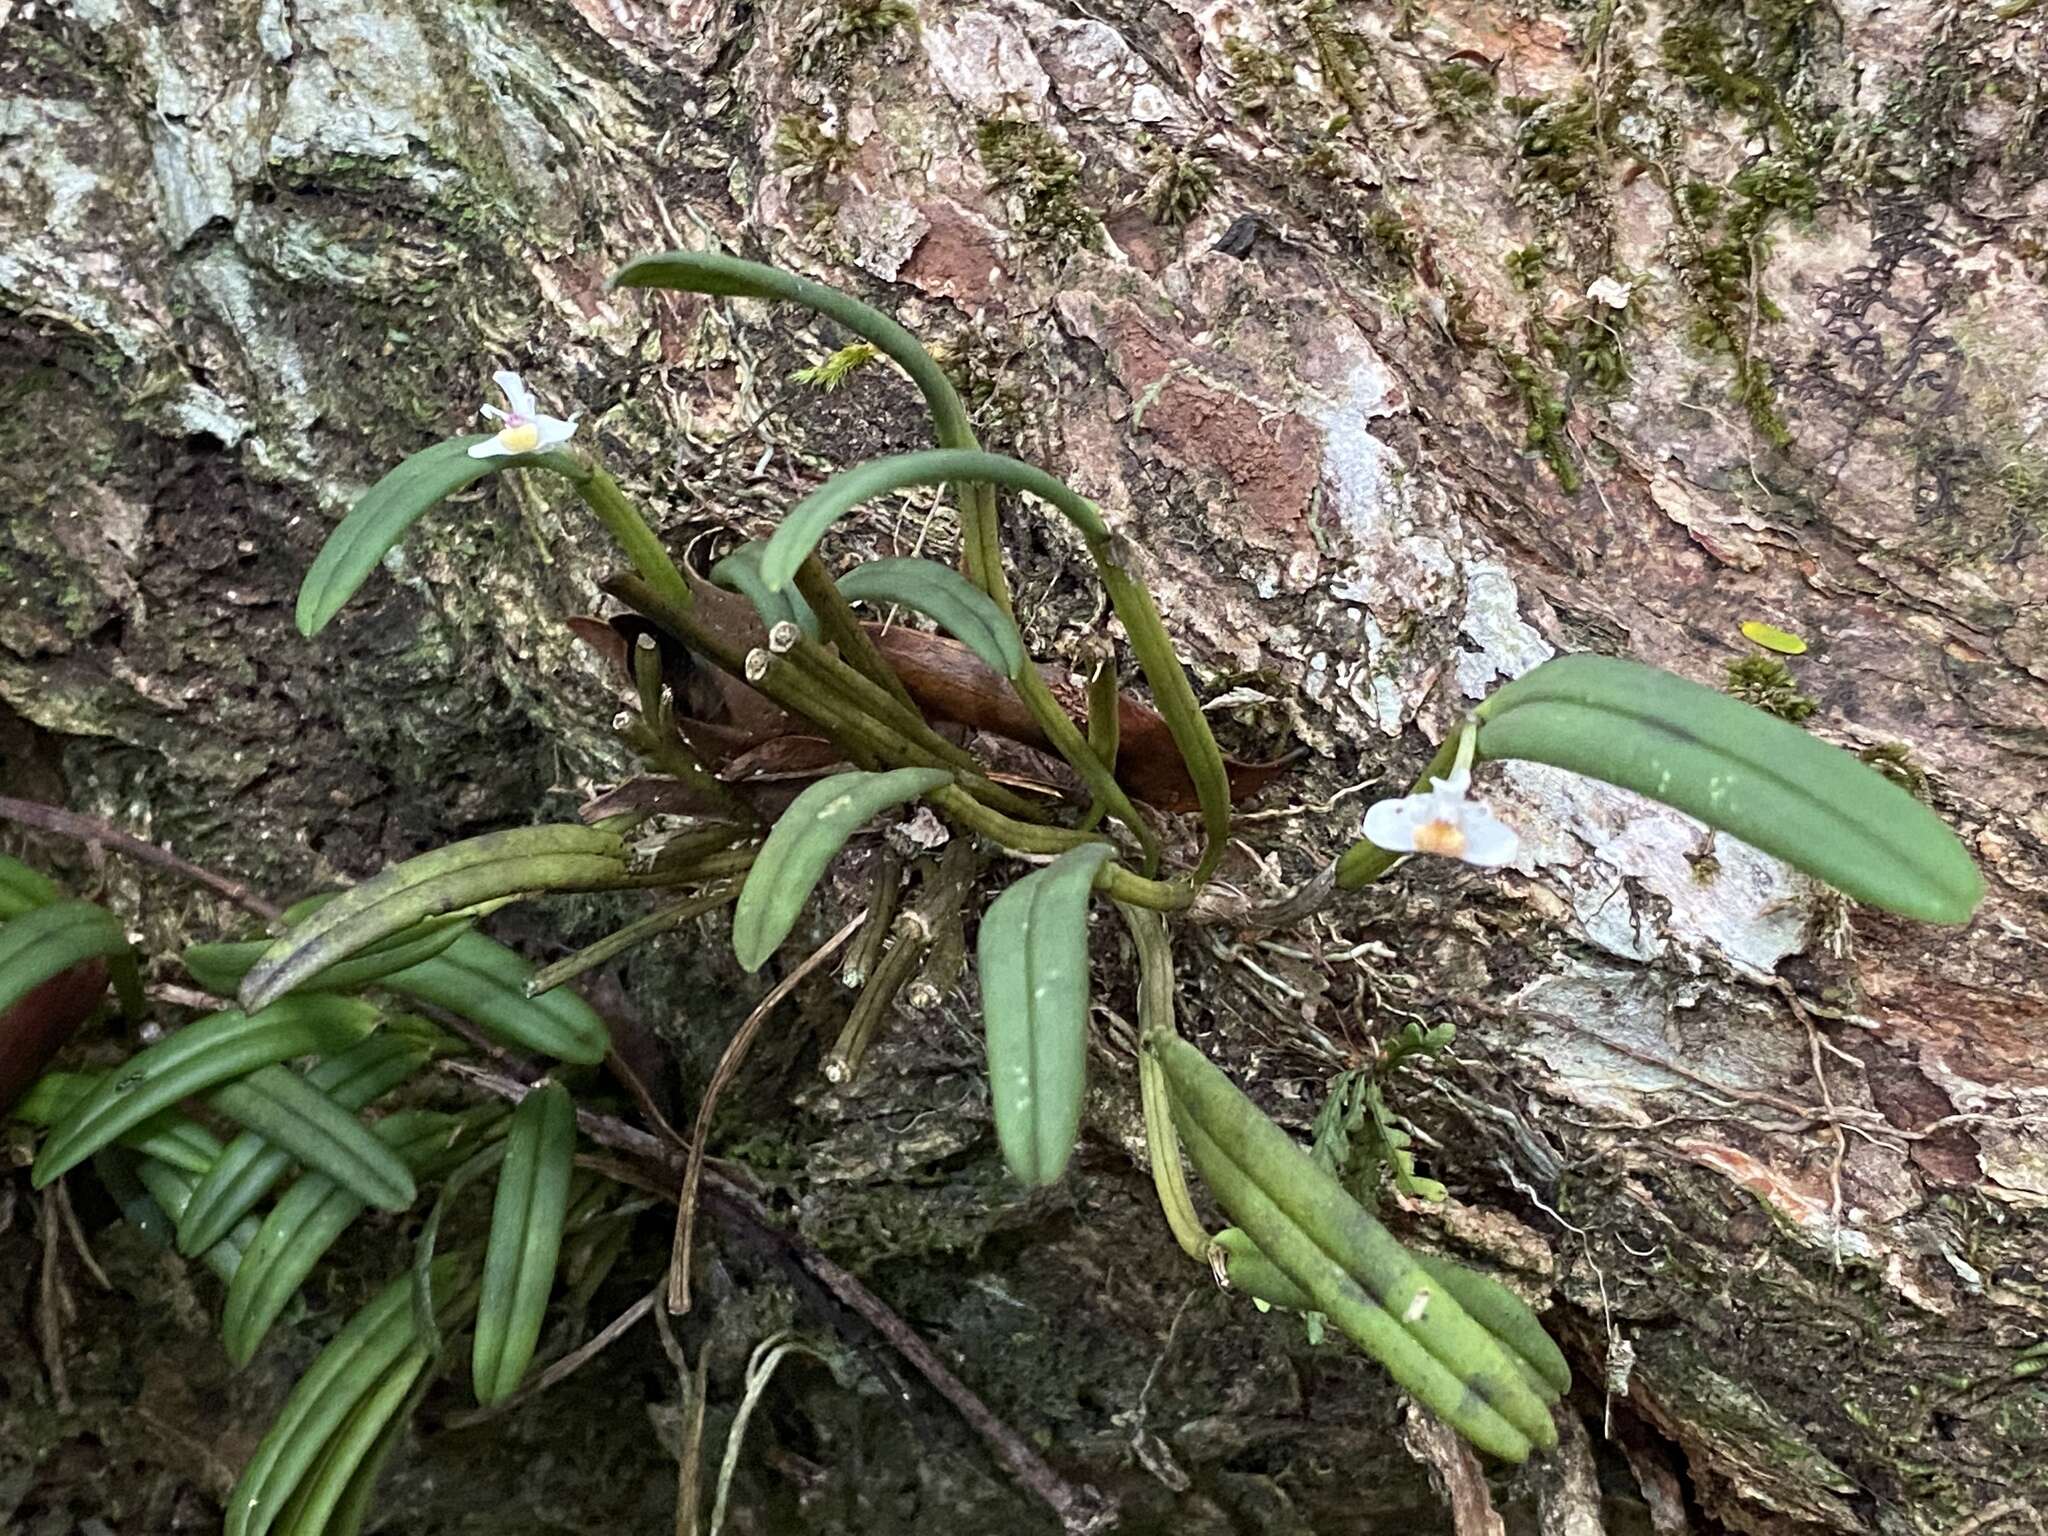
{"points": [[23, 889], [949, 600], [1740, 771], [1329, 1247], [377, 522], [448, 880], [482, 981], [740, 572], [218, 1049], [803, 841], [1033, 952], [525, 1241]]}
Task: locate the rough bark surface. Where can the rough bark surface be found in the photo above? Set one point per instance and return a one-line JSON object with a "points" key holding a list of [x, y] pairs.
{"points": [[1407, 345]]}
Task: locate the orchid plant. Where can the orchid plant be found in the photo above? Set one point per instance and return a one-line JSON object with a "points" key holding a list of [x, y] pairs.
{"points": [[764, 663]]}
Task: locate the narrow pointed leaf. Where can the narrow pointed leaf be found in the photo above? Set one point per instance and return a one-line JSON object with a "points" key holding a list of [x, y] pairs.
{"points": [[800, 845], [340, 1377], [949, 600], [251, 1166], [451, 879], [23, 889], [170, 1136], [381, 1409], [220, 967], [1033, 951], [1739, 770], [482, 981], [298, 1119], [377, 522], [526, 1240], [51, 939], [310, 1216], [199, 1057]]}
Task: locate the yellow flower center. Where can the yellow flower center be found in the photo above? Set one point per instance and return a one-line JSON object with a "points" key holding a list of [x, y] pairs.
{"points": [[1442, 837], [519, 437]]}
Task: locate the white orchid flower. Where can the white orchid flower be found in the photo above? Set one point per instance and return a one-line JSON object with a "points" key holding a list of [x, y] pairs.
{"points": [[1441, 820], [525, 430]]}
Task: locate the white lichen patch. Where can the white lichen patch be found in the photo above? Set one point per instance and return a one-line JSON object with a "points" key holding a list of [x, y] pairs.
{"points": [[985, 62], [1610, 849]]}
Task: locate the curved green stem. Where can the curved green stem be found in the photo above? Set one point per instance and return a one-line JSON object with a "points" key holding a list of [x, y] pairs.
{"points": [[981, 540], [601, 493], [806, 523]]}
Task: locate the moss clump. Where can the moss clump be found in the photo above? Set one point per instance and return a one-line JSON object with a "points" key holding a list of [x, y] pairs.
{"points": [[1257, 76], [1768, 684], [1460, 91], [1526, 266], [1559, 141], [1547, 413], [802, 145], [862, 21], [1726, 238], [1587, 345], [1895, 762], [1339, 51], [1391, 241], [1045, 177], [1178, 185]]}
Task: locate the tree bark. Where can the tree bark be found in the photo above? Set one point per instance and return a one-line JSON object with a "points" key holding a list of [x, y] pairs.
{"points": [[1406, 347]]}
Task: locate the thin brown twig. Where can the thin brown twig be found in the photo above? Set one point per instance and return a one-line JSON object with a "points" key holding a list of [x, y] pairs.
{"points": [[93, 829], [52, 1305], [729, 1065], [77, 1235]]}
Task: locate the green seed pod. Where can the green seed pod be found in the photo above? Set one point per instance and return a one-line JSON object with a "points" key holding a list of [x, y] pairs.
{"points": [[806, 838], [526, 1239], [948, 599], [1033, 954], [1769, 783], [448, 880], [218, 1049]]}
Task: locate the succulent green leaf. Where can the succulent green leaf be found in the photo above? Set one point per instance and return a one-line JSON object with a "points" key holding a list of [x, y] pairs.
{"points": [[482, 981], [948, 599], [23, 889], [169, 1189], [1507, 1317], [251, 1166], [339, 1379], [740, 572], [312, 1215], [49, 940], [377, 522], [1740, 771], [447, 880], [220, 967], [171, 1137], [797, 535], [196, 1059], [803, 841], [1033, 952], [1331, 1248], [525, 1240]]}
